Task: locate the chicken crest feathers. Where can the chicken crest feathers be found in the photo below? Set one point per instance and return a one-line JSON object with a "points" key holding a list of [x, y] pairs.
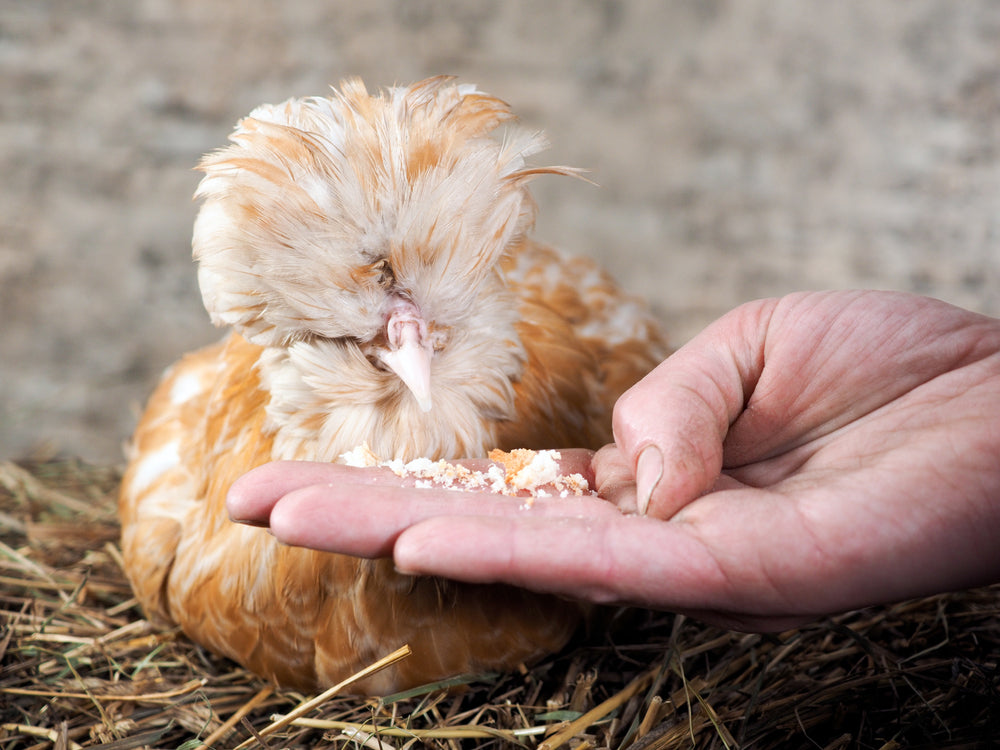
{"points": [[317, 196]]}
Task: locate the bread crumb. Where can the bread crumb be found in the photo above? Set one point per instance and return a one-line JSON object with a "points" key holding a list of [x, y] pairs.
{"points": [[520, 472], [530, 470], [362, 456]]}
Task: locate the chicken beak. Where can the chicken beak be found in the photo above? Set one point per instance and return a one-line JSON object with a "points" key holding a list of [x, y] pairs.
{"points": [[410, 359]]}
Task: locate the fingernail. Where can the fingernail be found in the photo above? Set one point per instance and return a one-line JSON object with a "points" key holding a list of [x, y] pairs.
{"points": [[648, 473], [250, 522]]}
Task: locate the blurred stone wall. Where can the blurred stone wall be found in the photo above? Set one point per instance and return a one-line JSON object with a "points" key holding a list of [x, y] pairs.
{"points": [[743, 149]]}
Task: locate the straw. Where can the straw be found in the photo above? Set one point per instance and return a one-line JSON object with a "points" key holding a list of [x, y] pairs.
{"points": [[81, 667]]}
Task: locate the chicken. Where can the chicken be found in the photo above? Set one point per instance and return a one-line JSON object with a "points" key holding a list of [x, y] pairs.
{"points": [[371, 256]]}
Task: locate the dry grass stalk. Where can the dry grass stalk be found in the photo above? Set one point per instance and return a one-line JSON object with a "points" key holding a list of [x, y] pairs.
{"points": [[80, 667], [308, 705]]}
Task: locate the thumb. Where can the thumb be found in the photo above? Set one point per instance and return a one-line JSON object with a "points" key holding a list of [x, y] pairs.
{"points": [[671, 425]]}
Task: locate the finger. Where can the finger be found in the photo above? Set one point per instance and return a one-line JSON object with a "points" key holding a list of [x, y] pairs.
{"points": [[672, 424], [585, 558], [251, 497], [613, 478], [581, 559], [365, 520]]}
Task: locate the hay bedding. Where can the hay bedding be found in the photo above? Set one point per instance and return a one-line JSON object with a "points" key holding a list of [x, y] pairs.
{"points": [[79, 667]]}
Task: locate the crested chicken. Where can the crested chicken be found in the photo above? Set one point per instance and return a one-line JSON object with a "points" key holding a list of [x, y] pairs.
{"points": [[371, 256]]}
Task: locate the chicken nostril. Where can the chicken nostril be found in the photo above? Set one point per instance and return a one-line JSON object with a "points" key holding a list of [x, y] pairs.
{"points": [[404, 323], [406, 332]]}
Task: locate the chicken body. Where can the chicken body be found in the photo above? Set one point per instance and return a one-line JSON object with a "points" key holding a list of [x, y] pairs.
{"points": [[371, 255]]}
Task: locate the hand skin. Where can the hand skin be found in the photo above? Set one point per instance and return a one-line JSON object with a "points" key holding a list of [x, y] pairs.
{"points": [[801, 456]]}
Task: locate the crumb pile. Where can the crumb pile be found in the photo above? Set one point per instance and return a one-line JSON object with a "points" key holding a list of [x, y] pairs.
{"points": [[521, 472]]}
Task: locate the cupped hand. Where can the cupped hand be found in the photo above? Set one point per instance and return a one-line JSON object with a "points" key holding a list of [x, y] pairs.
{"points": [[801, 456]]}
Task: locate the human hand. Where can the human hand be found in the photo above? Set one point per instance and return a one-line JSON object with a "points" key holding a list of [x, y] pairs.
{"points": [[800, 456]]}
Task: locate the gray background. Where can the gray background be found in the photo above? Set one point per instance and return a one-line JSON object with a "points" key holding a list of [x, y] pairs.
{"points": [[743, 149]]}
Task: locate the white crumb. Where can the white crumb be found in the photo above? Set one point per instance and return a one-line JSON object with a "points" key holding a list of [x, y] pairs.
{"points": [[542, 469], [361, 457], [520, 472], [419, 466]]}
